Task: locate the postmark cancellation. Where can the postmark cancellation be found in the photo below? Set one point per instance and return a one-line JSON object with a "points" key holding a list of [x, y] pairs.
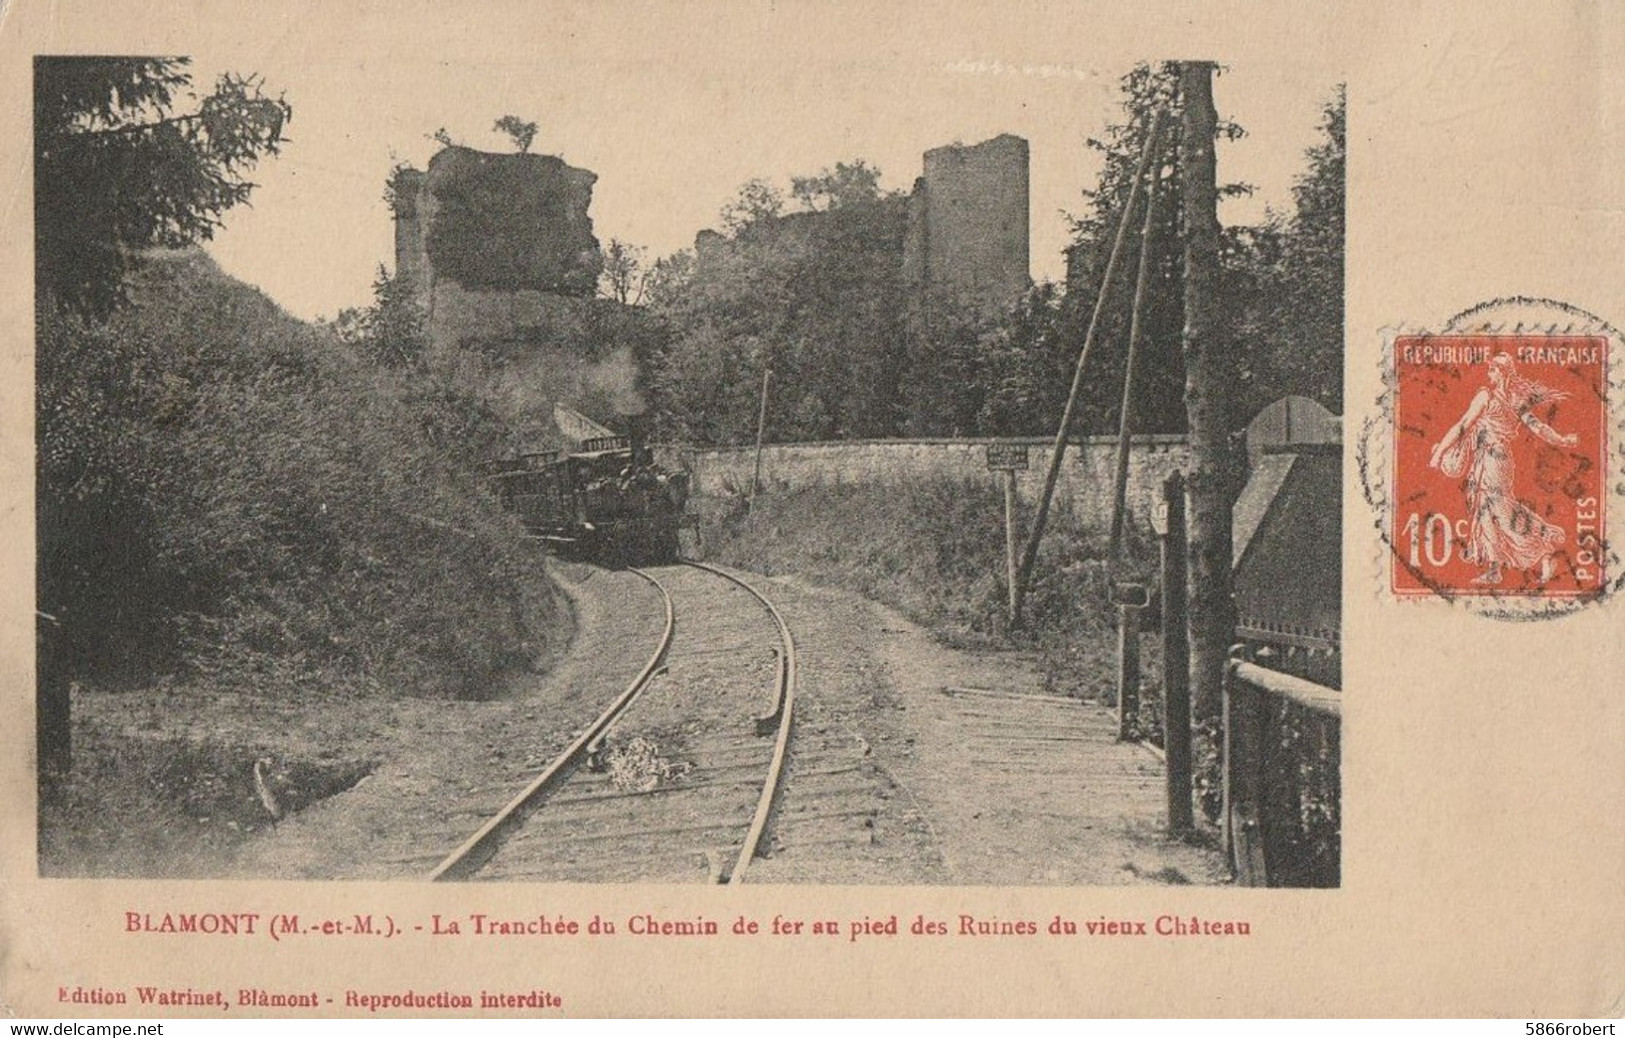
{"points": [[1501, 459]]}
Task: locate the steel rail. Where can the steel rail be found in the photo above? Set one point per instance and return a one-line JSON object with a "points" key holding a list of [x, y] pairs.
{"points": [[784, 699], [477, 849]]}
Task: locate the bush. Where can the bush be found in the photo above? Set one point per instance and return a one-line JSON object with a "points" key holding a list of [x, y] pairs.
{"points": [[934, 549], [238, 494]]}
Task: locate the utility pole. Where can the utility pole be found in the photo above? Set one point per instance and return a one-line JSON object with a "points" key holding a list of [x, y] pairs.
{"points": [[1208, 377], [1010, 537], [1176, 674], [1153, 144], [1125, 427], [761, 429]]}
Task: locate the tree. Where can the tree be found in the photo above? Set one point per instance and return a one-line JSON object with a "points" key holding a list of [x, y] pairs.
{"points": [[118, 169], [955, 354], [669, 279], [849, 183], [624, 277], [1293, 271], [522, 133], [1159, 398], [1025, 367], [756, 201], [392, 331], [815, 295]]}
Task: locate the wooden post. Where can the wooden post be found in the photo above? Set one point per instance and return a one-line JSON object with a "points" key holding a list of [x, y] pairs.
{"points": [[1227, 787], [1176, 678], [53, 730], [761, 429], [1243, 711], [1207, 401], [1124, 420], [1008, 457], [1010, 537], [1128, 670], [1030, 555]]}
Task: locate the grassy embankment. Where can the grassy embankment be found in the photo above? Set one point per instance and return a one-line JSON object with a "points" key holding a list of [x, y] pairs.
{"points": [[934, 550], [254, 542]]}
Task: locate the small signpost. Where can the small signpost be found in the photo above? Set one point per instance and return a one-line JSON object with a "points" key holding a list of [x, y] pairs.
{"points": [[1008, 458], [1131, 600]]}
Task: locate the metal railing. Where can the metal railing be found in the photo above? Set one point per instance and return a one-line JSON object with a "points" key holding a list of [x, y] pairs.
{"points": [[1281, 814]]}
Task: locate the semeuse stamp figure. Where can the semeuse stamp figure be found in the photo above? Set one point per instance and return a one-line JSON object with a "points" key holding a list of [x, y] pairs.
{"points": [[1500, 455], [1502, 530]]}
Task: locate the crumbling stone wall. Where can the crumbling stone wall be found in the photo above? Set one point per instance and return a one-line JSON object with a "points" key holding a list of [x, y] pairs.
{"points": [[493, 241], [968, 236], [1087, 475], [966, 242], [406, 186]]}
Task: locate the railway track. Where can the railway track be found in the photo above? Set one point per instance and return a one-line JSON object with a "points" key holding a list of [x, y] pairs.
{"points": [[678, 778]]}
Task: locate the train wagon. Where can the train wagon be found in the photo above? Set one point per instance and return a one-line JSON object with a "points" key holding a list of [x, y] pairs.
{"points": [[606, 503]]}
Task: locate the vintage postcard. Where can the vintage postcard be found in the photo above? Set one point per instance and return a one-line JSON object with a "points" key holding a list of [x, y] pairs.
{"points": [[555, 510]]}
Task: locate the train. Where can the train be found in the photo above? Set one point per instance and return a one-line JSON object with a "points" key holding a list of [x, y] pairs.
{"points": [[607, 502]]}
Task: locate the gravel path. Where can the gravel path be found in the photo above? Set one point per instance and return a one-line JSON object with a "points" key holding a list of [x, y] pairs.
{"points": [[1002, 786], [911, 763]]}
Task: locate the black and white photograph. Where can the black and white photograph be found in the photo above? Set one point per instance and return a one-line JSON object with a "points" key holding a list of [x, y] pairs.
{"points": [[901, 498]]}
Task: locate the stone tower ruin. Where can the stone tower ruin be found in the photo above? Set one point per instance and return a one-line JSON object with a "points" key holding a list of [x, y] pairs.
{"points": [[967, 241], [494, 242]]}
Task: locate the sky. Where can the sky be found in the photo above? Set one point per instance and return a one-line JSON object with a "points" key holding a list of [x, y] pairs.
{"points": [[672, 132]]}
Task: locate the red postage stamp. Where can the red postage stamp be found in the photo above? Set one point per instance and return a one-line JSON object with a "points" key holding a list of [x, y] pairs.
{"points": [[1500, 465]]}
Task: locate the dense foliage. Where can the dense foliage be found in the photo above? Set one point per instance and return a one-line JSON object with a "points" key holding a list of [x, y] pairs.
{"points": [[1159, 397], [393, 330], [227, 490], [1291, 278], [1283, 280], [117, 168], [979, 372], [222, 489], [814, 295]]}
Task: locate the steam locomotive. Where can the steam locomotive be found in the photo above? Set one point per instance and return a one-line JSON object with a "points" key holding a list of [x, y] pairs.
{"points": [[606, 503]]}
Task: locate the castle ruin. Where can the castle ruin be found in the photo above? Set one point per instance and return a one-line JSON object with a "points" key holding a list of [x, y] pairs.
{"points": [[494, 243], [498, 244], [967, 242]]}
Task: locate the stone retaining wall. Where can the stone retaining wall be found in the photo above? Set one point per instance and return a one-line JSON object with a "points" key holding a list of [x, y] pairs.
{"points": [[1086, 477]]}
